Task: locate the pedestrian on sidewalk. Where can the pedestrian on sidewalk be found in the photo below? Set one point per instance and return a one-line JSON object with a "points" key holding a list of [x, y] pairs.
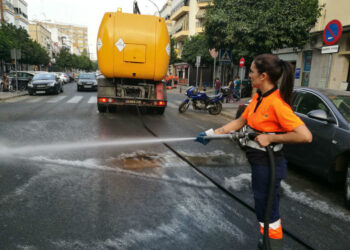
{"points": [[217, 85], [270, 116], [237, 88], [230, 96], [5, 82]]}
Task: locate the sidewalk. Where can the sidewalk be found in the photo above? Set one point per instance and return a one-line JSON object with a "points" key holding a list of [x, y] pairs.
{"points": [[228, 109], [9, 95]]}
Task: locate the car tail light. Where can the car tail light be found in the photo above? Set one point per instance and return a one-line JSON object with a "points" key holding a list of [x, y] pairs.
{"points": [[161, 103], [103, 100]]}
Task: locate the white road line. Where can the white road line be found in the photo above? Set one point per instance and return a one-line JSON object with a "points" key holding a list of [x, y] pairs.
{"points": [[56, 99], [75, 99], [35, 99], [93, 99], [17, 99], [172, 105]]}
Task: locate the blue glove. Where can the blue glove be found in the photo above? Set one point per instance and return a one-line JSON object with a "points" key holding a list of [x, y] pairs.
{"points": [[200, 138]]}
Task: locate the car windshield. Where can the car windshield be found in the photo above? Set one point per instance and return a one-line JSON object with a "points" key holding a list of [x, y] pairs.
{"points": [[343, 105], [87, 76], [44, 77]]}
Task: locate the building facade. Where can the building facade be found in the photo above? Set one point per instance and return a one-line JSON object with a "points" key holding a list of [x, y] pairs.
{"points": [[315, 69], [15, 12], [40, 34], [72, 37], [184, 19]]}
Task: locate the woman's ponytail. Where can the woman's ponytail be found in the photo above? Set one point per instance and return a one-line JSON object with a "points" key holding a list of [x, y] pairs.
{"points": [[287, 82]]}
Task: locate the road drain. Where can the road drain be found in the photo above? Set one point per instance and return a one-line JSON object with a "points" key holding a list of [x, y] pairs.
{"points": [[140, 162]]}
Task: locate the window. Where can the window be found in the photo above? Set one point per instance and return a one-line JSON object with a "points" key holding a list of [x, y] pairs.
{"points": [[306, 102]]}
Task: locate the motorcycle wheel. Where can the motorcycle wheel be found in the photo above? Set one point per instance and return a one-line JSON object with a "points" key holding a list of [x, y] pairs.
{"points": [[183, 107], [216, 109]]}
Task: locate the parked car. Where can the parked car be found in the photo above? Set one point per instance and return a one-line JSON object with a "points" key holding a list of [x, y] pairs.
{"points": [[23, 78], [246, 88], [63, 77], [87, 81], [326, 113], [45, 83]]}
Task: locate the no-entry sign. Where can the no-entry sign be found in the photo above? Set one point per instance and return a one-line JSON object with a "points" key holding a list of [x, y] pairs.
{"points": [[241, 62], [332, 32]]}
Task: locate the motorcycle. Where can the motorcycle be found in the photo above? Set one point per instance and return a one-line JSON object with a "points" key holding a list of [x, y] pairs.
{"points": [[200, 101]]}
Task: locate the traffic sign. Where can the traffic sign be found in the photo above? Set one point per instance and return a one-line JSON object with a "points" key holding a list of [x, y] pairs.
{"points": [[198, 61], [241, 62], [213, 53], [332, 32], [225, 56]]}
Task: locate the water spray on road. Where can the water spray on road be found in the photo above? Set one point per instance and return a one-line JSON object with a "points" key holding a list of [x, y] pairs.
{"points": [[22, 150]]}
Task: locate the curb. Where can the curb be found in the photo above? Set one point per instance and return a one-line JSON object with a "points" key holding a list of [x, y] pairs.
{"points": [[10, 96]]}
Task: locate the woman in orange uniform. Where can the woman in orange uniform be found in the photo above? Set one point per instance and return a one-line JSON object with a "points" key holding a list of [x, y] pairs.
{"points": [[269, 114]]}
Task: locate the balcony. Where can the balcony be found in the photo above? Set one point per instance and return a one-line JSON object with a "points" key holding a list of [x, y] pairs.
{"points": [[180, 13], [181, 35], [204, 3]]}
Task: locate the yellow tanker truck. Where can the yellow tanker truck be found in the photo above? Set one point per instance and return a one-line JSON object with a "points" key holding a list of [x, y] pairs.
{"points": [[133, 53]]}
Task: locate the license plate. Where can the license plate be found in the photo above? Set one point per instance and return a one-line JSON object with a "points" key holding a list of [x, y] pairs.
{"points": [[132, 101], [40, 92], [87, 86], [41, 86]]}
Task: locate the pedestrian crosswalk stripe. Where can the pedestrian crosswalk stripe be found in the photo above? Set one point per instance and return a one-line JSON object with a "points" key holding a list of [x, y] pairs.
{"points": [[172, 105], [93, 99], [56, 99], [18, 99], [75, 99], [35, 99]]}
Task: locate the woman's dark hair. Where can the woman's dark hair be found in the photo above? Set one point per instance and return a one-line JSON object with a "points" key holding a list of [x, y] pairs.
{"points": [[275, 68]]}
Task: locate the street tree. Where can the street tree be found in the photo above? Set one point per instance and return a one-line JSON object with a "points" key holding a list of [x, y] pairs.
{"points": [[250, 27], [196, 46], [173, 54]]}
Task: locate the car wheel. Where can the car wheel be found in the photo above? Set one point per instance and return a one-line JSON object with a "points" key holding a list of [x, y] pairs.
{"points": [[57, 90], [61, 89], [101, 108], [183, 107], [216, 109], [30, 92], [78, 89], [347, 187]]}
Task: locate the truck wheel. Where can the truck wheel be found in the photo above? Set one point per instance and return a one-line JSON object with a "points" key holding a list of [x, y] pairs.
{"points": [[216, 109], [183, 107], [101, 108], [347, 187]]}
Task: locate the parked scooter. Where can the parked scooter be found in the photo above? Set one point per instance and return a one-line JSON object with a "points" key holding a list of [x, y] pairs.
{"points": [[200, 101]]}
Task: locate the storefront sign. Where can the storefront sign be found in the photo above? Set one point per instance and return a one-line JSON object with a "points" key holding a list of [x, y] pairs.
{"points": [[330, 49]]}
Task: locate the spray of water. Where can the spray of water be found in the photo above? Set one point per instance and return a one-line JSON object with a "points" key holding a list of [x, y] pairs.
{"points": [[86, 144]]}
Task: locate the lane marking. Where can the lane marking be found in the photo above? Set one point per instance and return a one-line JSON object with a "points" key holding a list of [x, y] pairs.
{"points": [[93, 99], [17, 99], [56, 99], [172, 105], [201, 127], [36, 99], [75, 99]]}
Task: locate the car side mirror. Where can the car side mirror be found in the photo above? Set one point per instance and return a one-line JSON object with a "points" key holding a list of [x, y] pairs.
{"points": [[321, 115]]}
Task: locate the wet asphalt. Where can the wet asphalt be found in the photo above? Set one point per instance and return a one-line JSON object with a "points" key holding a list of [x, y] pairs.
{"points": [[139, 196]]}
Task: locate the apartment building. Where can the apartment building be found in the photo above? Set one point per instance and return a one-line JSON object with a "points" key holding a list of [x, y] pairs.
{"points": [[184, 19], [40, 34], [315, 69], [72, 37], [15, 12]]}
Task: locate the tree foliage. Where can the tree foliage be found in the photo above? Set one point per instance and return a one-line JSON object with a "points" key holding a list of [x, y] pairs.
{"points": [[12, 37], [173, 53], [252, 27], [196, 46], [65, 60]]}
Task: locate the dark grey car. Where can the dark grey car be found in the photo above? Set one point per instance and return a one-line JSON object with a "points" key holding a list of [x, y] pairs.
{"points": [[326, 113], [87, 81], [45, 83]]}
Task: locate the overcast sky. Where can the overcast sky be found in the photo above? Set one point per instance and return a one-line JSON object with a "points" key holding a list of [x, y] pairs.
{"points": [[85, 12]]}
